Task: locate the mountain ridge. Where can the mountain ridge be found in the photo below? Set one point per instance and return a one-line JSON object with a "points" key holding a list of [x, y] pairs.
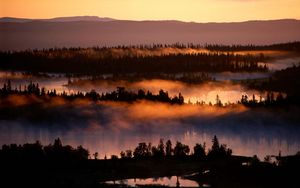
{"points": [[97, 18], [57, 19]]}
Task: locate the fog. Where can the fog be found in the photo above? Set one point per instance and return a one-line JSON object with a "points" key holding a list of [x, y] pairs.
{"points": [[109, 127], [225, 87], [153, 52], [237, 76], [228, 92], [283, 63]]}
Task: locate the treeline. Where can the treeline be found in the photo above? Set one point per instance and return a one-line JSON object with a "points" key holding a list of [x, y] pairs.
{"points": [[73, 61], [270, 100], [180, 150], [130, 50], [36, 152], [189, 78], [292, 46], [57, 152], [121, 94]]}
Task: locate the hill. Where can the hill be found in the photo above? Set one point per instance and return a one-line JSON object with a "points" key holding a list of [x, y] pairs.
{"points": [[86, 32]]}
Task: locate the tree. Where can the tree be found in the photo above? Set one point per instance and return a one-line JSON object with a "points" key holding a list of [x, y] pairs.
{"points": [[155, 152], [218, 101], [181, 150], [215, 145], [180, 98], [169, 149], [199, 150], [253, 99], [267, 159], [82, 153], [161, 148], [217, 150], [142, 150], [96, 155], [123, 155], [128, 154], [57, 143]]}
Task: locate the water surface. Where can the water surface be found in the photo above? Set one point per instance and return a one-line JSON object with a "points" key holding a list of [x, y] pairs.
{"points": [[108, 128]]}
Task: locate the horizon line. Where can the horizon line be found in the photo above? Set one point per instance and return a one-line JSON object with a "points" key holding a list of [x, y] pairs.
{"points": [[145, 20]]}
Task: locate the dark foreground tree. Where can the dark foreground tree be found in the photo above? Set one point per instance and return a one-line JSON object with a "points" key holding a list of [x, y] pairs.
{"points": [[181, 150], [217, 150], [199, 150]]}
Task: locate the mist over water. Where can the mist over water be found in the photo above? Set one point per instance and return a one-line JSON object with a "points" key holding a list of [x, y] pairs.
{"points": [[283, 63], [229, 76], [108, 127], [228, 91]]}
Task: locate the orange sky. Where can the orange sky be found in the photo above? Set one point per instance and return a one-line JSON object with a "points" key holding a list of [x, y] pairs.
{"points": [[185, 10]]}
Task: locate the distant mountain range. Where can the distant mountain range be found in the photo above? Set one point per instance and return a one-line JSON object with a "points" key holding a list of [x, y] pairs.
{"points": [[58, 19], [87, 31]]}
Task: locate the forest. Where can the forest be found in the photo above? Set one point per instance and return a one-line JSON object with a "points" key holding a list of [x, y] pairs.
{"points": [[292, 46], [156, 58], [104, 60]]}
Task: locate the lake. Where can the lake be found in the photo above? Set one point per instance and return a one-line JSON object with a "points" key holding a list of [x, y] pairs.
{"points": [[108, 127]]}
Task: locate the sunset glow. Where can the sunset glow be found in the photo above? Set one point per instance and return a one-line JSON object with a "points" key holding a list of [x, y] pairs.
{"points": [[188, 10]]}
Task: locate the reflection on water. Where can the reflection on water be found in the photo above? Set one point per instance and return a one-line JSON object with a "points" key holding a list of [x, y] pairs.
{"points": [[172, 181]]}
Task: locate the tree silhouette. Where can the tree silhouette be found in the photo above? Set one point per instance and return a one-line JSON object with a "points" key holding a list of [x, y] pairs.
{"points": [[57, 144], [38, 152], [96, 155], [128, 154], [142, 150], [215, 145], [218, 101], [181, 150], [161, 148], [199, 150], [169, 149], [217, 150]]}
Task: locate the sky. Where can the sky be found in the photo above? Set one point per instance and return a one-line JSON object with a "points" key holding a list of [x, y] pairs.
{"points": [[184, 10]]}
